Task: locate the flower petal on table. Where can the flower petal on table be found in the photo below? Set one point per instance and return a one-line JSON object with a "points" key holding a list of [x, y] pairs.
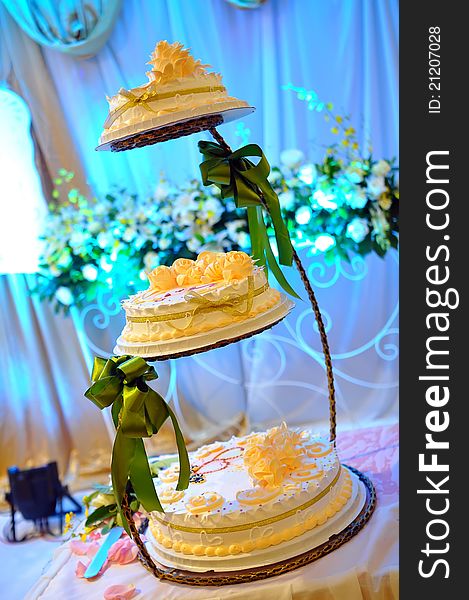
{"points": [[123, 551], [120, 592]]}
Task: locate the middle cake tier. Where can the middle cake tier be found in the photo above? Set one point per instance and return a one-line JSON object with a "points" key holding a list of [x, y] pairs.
{"points": [[200, 302]]}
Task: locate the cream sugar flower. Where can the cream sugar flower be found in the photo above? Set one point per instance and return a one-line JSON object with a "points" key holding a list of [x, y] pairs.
{"points": [[213, 272], [271, 457], [237, 265], [161, 279], [207, 257], [181, 266], [173, 61], [191, 277]]}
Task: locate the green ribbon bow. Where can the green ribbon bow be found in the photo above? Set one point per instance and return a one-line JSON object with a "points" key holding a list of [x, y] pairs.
{"points": [[138, 412], [238, 177]]}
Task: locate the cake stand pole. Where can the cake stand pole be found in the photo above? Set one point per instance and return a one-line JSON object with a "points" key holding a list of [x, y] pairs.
{"points": [[314, 304]]}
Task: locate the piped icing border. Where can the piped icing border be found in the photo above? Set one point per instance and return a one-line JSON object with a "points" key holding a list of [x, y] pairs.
{"points": [[264, 542], [263, 522]]}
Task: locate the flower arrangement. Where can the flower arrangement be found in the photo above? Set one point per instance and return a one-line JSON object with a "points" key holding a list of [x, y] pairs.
{"points": [[347, 204], [344, 205], [110, 244]]}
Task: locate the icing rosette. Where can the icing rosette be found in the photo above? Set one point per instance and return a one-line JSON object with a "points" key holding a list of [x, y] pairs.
{"points": [[169, 475], [292, 486], [205, 451], [257, 495], [205, 502], [318, 449], [170, 495], [306, 473]]}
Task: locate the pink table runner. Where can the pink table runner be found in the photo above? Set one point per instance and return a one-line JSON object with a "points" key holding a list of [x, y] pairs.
{"points": [[366, 568]]}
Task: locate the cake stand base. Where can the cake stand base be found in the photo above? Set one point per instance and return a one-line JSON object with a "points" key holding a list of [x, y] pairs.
{"points": [[212, 578]]}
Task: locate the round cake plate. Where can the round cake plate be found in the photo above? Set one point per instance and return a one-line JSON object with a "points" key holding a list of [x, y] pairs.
{"points": [[130, 138], [202, 342], [358, 516]]}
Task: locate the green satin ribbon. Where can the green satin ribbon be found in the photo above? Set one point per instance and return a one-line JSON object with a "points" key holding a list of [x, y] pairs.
{"points": [[138, 412], [238, 177]]}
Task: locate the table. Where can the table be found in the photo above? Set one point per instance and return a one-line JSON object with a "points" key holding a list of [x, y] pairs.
{"points": [[365, 568]]}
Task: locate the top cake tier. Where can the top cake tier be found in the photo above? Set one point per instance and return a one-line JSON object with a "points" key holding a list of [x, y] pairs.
{"points": [[179, 88]]}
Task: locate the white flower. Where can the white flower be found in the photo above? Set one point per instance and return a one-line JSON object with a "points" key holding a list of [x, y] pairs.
{"points": [[379, 221], [287, 200], [243, 240], [94, 227], [193, 244], [376, 186], [105, 265], [151, 260], [211, 210], [292, 158], [324, 242], [64, 295], [184, 203], [307, 174], [233, 226], [303, 215], [357, 230], [54, 271], [104, 239], [89, 272], [102, 208], [184, 234], [356, 198], [274, 176], [65, 259], [354, 173], [164, 243], [78, 240], [166, 210], [381, 168], [325, 199], [162, 191], [129, 234]]}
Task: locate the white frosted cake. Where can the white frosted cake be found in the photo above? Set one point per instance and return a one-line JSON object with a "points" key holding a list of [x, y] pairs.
{"points": [[253, 500], [199, 301], [178, 88]]}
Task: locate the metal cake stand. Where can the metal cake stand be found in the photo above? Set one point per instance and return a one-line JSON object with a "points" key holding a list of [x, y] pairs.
{"points": [[211, 578]]}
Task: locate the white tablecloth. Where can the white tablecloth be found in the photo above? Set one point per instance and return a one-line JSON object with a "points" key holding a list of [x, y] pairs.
{"points": [[365, 568]]}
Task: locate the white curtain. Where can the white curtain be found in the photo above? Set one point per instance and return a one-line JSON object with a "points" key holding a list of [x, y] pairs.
{"points": [[347, 52]]}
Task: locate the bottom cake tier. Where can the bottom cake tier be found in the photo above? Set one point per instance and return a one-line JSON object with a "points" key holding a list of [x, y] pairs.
{"points": [[254, 501], [288, 548]]}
